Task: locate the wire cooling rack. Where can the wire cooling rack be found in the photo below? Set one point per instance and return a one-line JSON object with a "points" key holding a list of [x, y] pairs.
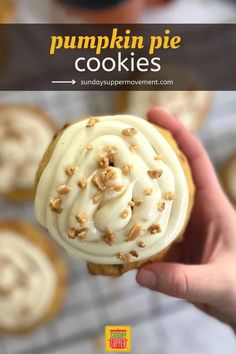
{"points": [[160, 324]]}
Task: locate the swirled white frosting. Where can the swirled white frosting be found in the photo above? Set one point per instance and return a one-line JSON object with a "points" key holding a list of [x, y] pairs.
{"points": [[27, 282], [71, 151], [24, 137], [185, 105], [231, 175]]}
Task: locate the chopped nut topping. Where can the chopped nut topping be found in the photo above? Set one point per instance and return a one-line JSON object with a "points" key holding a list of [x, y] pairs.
{"points": [[154, 229], [155, 173], [138, 201], [108, 174], [114, 188], [82, 217], [118, 188], [82, 183], [161, 206], [98, 181], [5, 291], [55, 205], [134, 253], [121, 255], [103, 161], [134, 232], [82, 233], [109, 237], [72, 233], [129, 132], [126, 169], [64, 189], [141, 244], [70, 170], [96, 241], [131, 204], [124, 257], [133, 148], [158, 158], [97, 198], [124, 214], [170, 196], [148, 191], [92, 121], [89, 147], [111, 151]]}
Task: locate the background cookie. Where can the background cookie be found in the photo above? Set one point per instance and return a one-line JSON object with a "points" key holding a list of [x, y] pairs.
{"points": [[25, 133], [33, 278], [190, 107]]}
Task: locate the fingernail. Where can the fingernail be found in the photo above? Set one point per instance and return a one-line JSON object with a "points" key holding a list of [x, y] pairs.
{"points": [[146, 278]]}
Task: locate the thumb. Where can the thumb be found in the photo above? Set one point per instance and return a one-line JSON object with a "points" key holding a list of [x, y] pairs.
{"points": [[195, 283]]}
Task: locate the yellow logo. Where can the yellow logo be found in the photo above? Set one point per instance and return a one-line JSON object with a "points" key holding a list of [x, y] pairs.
{"points": [[118, 338]]}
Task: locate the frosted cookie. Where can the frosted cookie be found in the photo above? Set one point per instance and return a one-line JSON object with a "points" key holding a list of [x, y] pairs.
{"points": [[115, 191], [32, 278], [190, 107], [25, 133], [228, 175]]}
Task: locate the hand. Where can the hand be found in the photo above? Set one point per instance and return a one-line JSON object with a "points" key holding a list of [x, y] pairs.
{"points": [[201, 269]]}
